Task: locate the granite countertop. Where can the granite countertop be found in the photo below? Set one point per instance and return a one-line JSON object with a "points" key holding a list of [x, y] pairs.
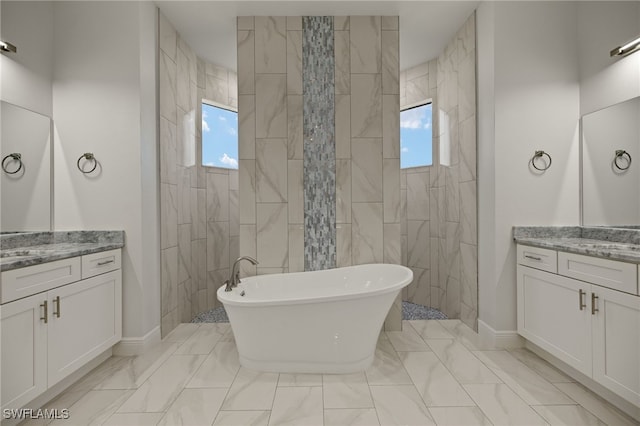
{"points": [[27, 249], [610, 243]]}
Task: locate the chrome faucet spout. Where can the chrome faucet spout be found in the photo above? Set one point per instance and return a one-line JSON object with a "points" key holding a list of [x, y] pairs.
{"points": [[234, 280]]}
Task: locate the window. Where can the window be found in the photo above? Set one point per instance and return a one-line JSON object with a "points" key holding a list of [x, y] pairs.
{"points": [[219, 137], [415, 137]]}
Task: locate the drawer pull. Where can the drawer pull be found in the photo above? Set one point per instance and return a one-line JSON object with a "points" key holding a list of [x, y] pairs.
{"points": [[106, 262], [56, 309], [46, 312], [528, 256], [594, 303], [582, 304]]}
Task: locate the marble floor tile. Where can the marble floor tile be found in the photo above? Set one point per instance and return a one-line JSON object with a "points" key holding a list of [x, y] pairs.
{"points": [[181, 333], [134, 419], [286, 380], [434, 382], [351, 417], [540, 366], [502, 406], [194, 407], [522, 380], [242, 418], [567, 415], [294, 406], [164, 385], [465, 335], [219, 369], [251, 390], [407, 340], [346, 391], [596, 405], [430, 329], [202, 341], [459, 416], [94, 408], [400, 405], [464, 366], [387, 369]]}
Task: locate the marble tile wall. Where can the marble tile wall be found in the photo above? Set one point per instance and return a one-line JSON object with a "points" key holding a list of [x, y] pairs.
{"points": [[367, 146], [199, 205], [439, 202]]}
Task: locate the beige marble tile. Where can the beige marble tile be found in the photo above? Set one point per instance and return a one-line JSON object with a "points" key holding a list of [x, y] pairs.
{"points": [[294, 62], [294, 23], [271, 106], [393, 321], [343, 244], [540, 366], [366, 105], [134, 419], [390, 126], [272, 238], [341, 46], [246, 62], [428, 329], [400, 405], [417, 90], [407, 340], [346, 391], [459, 416], [247, 192], [391, 190], [468, 150], [366, 167], [251, 390], [297, 406], [390, 22], [245, 23], [184, 197], [341, 23], [246, 127], [387, 369], [168, 74], [351, 417], [296, 248], [288, 380], [365, 42], [468, 213], [461, 362], [234, 214], [217, 197], [419, 291], [434, 382], [502, 406], [418, 196], [242, 418], [182, 333], [596, 406], [271, 44], [567, 415], [194, 407], [248, 240], [169, 279], [168, 37], [367, 233], [183, 83], [295, 194], [294, 127], [94, 408], [343, 126], [343, 191], [168, 215], [217, 71], [418, 240], [390, 62], [469, 275], [467, 87], [203, 340], [217, 245], [168, 152], [271, 175], [219, 369], [391, 252]]}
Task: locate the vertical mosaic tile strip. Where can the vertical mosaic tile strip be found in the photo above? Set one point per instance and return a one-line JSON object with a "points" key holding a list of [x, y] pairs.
{"points": [[319, 166]]}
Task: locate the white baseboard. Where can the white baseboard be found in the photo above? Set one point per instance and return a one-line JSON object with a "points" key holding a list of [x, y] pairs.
{"points": [[130, 346], [499, 339]]}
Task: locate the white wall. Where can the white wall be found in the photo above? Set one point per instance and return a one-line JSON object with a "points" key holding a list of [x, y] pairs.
{"points": [[528, 67], [27, 74], [104, 102]]}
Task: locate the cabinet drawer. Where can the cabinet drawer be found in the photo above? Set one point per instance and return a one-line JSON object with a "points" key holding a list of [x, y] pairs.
{"points": [[538, 258], [607, 273], [23, 282], [99, 263]]}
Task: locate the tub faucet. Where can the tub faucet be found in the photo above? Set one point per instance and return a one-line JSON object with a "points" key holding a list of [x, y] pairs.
{"points": [[235, 273]]}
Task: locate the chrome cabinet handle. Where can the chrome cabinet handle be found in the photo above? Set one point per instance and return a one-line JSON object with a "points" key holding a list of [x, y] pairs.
{"points": [[580, 302], [46, 312], [106, 262], [56, 309], [594, 303], [528, 256]]}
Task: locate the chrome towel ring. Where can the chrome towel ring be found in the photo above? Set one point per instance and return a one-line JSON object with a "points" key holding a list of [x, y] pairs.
{"points": [[13, 157], [537, 155], [622, 154], [88, 156]]}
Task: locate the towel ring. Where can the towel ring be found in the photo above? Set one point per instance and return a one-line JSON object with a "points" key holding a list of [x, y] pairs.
{"points": [[620, 153], [537, 155], [89, 157], [13, 157]]}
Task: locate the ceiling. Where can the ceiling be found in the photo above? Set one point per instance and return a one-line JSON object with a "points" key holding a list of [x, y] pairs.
{"points": [[209, 26]]}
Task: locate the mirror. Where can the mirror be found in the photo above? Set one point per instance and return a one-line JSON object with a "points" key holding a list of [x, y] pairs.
{"points": [[25, 189]]}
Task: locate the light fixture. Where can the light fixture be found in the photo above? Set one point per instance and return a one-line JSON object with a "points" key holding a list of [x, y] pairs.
{"points": [[5, 46], [626, 49]]}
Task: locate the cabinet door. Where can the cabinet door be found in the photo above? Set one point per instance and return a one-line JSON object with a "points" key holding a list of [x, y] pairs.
{"points": [[616, 342], [551, 314], [86, 319], [24, 350]]}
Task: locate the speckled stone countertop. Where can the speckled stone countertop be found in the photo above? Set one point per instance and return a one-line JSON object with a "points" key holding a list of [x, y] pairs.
{"points": [[32, 248], [611, 243]]}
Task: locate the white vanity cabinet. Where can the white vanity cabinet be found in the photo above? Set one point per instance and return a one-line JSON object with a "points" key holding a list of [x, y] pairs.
{"points": [[51, 334], [588, 323]]}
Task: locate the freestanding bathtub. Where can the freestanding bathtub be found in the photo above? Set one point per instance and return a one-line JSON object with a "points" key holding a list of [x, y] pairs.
{"points": [[313, 322]]}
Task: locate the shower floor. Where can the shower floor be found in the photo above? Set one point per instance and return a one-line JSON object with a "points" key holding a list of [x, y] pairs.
{"points": [[410, 311]]}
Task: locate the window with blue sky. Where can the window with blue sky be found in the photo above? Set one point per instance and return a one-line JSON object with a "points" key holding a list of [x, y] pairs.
{"points": [[415, 137], [219, 137]]}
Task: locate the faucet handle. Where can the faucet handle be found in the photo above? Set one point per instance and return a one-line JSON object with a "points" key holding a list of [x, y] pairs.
{"points": [[227, 286], [238, 277]]}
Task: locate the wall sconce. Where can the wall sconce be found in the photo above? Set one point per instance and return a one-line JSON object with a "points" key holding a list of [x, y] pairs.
{"points": [[626, 49], [5, 46]]}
